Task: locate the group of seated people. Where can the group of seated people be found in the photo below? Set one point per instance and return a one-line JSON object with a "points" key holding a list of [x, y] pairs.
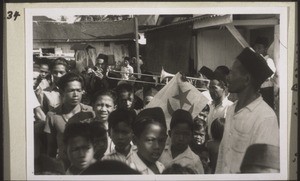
{"points": [[86, 124]]}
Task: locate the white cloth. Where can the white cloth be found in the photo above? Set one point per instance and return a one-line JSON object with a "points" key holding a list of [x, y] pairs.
{"points": [[207, 95], [126, 72], [255, 123], [271, 64], [141, 166], [218, 111], [114, 155], [186, 159]]}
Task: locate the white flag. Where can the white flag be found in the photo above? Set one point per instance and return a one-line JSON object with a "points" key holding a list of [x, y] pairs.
{"points": [[178, 94]]}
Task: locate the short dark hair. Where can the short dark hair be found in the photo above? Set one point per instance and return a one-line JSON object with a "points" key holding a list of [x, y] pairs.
{"points": [[97, 129], [104, 57], [105, 167], [125, 87], [199, 124], [105, 92], [73, 130], [121, 115], [220, 74], [69, 77], [263, 41], [181, 116], [217, 129], [148, 116], [60, 61]]}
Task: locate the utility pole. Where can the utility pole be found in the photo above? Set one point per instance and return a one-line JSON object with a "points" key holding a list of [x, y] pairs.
{"points": [[136, 26]]}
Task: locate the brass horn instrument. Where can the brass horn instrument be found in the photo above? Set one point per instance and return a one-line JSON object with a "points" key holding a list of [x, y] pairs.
{"points": [[156, 78], [164, 76], [192, 80]]}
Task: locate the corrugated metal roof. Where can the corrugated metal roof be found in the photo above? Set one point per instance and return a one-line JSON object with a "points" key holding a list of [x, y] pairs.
{"points": [[81, 46], [196, 18], [83, 30]]}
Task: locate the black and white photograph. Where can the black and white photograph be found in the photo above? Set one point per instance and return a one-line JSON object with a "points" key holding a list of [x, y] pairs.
{"points": [[156, 94]]}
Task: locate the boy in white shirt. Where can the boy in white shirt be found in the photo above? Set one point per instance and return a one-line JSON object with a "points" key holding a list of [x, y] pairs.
{"points": [[181, 135]]}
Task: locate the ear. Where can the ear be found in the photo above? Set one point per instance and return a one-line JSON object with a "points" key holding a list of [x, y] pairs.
{"points": [[169, 133], [247, 79]]}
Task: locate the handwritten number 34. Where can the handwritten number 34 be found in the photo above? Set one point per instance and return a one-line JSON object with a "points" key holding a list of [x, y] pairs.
{"points": [[11, 14]]}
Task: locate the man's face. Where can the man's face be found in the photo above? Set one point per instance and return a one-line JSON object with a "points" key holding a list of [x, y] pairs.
{"points": [[80, 152], [215, 90], [100, 62], [126, 62], [121, 135], [44, 70], [259, 48], [72, 94], [181, 136], [58, 71], [103, 106], [126, 100], [152, 142], [236, 79]]}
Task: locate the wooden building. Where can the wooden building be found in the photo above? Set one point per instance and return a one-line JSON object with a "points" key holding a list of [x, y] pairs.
{"points": [[112, 38], [186, 43]]}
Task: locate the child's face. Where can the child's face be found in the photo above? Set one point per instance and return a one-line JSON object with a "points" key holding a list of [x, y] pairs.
{"points": [[100, 146], [199, 136], [80, 152], [126, 100], [72, 93], [103, 107], [58, 71], [181, 136], [151, 143], [44, 70], [121, 135]]}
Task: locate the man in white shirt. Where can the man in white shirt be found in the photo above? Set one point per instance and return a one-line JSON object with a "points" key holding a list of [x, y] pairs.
{"points": [[220, 102], [126, 69], [267, 88], [249, 120]]}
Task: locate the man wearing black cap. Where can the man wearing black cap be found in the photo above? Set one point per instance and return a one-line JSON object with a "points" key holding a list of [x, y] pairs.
{"points": [[267, 87], [249, 120]]}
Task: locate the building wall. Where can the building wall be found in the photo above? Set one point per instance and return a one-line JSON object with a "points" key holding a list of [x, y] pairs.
{"points": [[118, 49], [216, 47], [169, 48]]}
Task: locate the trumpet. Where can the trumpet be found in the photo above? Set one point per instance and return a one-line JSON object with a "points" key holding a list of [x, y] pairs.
{"points": [[192, 80], [158, 79]]}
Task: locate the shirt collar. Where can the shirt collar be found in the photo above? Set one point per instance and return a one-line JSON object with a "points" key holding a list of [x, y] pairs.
{"points": [[83, 108], [183, 154], [225, 100], [252, 105], [142, 167]]}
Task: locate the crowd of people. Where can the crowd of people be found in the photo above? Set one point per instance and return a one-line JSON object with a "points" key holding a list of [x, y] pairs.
{"points": [[88, 124]]}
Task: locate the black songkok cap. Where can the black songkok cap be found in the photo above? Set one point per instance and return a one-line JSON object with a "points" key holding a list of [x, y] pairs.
{"points": [[207, 72], [155, 113], [103, 56], [264, 155], [255, 64]]}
